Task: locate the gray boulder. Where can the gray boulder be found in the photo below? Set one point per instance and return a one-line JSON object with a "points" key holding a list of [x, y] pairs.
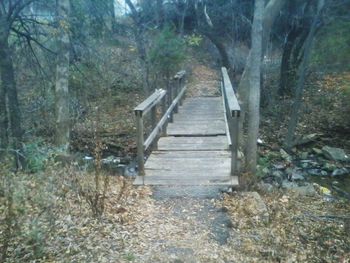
{"points": [[306, 189], [335, 154], [340, 172]]}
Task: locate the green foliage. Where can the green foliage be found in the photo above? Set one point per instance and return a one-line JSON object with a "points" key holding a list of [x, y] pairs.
{"points": [[36, 156], [167, 53], [332, 47], [23, 236], [194, 40]]}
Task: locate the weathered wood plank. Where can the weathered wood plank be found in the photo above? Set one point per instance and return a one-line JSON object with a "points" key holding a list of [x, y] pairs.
{"points": [[230, 96], [193, 143], [190, 154], [150, 102], [203, 166], [197, 129], [150, 180]]}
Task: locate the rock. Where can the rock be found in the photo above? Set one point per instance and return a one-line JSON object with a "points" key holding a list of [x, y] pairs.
{"points": [[255, 206], [279, 166], [285, 155], [277, 174], [307, 139], [340, 172], [265, 187], [317, 172], [303, 155], [304, 190], [317, 151], [294, 174], [111, 159], [297, 176], [329, 167], [335, 183], [335, 154]]}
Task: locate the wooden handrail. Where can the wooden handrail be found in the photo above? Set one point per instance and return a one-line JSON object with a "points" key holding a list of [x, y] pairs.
{"points": [[232, 114], [230, 96], [169, 106], [151, 101]]}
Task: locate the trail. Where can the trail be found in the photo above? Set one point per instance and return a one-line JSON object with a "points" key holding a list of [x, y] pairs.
{"points": [[183, 224]]}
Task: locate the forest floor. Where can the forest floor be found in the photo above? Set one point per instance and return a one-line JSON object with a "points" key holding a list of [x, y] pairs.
{"points": [[201, 224], [171, 224]]}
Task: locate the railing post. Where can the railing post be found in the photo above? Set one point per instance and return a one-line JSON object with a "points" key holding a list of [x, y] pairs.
{"points": [[154, 124], [140, 142], [171, 97], [182, 82], [177, 89], [234, 144], [164, 108]]}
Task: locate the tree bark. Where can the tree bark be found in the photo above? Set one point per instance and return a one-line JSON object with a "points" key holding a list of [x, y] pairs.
{"points": [[254, 94], [9, 85], [270, 13], [286, 65], [301, 79], [3, 108], [62, 76]]}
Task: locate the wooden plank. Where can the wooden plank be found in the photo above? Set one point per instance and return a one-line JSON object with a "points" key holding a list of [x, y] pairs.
{"points": [[190, 154], [189, 164], [193, 143], [149, 180], [230, 96], [226, 121], [181, 117], [197, 129], [150, 102]]}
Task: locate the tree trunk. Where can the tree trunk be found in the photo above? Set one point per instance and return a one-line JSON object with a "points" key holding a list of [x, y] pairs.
{"points": [[62, 76], [301, 74], [270, 13], [287, 67], [254, 94], [3, 108], [225, 60], [9, 85]]}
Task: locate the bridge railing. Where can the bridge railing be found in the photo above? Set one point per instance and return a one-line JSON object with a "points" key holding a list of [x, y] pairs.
{"points": [[232, 114], [169, 100]]}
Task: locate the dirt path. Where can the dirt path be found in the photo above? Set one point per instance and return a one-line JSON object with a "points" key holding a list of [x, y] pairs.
{"points": [[204, 81]]}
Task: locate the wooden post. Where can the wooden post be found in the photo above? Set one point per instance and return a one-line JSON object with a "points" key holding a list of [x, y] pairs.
{"points": [[177, 89], [171, 97], [234, 122], [140, 142], [154, 124], [164, 109], [182, 81]]}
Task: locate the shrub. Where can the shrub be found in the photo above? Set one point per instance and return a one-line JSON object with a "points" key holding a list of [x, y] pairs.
{"points": [[167, 53]]}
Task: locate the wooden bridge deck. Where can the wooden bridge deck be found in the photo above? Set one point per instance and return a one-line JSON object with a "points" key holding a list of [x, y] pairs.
{"points": [[195, 150]]}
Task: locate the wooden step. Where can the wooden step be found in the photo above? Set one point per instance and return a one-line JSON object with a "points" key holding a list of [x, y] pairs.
{"points": [[193, 143]]}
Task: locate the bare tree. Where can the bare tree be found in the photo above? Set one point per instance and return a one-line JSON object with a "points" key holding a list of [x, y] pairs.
{"points": [[270, 12], [62, 75], [254, 89], [10, 13], [301, 77]]}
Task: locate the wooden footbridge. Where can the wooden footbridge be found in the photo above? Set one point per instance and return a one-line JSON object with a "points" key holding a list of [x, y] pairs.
{"points": [[191, 141]]}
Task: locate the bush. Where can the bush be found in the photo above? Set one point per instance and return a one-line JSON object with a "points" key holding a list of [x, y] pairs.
{"points": [[167, 53]]}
